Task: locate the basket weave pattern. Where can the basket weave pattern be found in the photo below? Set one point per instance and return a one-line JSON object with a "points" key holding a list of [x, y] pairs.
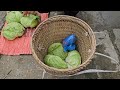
{"points": [[55, 29]]}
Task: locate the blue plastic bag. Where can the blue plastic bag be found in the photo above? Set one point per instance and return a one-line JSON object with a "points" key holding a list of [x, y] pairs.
{"points": [[69, 43]]}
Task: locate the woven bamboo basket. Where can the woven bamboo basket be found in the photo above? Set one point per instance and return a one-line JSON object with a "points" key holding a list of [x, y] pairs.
{"points": [[55, 29]]}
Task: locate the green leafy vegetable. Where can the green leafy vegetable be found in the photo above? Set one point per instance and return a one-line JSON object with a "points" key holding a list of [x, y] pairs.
{"points": [[13, 16], [30, 21], [13, 30], [73, 59], [55, 61], [57, 50]]}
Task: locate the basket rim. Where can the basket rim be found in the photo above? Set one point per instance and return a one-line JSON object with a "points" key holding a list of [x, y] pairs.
{"points": [[68, 69]]}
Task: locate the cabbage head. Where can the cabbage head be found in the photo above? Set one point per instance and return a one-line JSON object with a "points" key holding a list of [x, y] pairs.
{"points": [[73, 59], [30, 21], [13, 30], [57, 50], [55, 61], [14, 16]]}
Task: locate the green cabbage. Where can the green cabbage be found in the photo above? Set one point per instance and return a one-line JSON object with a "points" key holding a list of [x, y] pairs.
{"points": [[73, 59], [30, 21], [55, 61], [14, 16], [57, 50], [13, 30]]}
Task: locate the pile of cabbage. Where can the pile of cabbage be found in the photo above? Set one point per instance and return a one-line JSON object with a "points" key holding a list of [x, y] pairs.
{"points": [[58, 58], [16, 24]]}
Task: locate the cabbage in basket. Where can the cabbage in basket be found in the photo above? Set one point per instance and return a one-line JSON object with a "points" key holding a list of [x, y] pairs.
{"points": [[55, 61], [57, 49], [73, 59]]}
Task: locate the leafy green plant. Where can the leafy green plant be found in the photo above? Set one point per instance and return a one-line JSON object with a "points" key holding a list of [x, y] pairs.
{"points": [[55, 61], [14, 16], [13, 30], [30, 21], [73, 59]]}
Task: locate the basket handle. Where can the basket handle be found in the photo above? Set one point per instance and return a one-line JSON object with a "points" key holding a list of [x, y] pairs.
{"points": [[96, 70], [102, 71]]}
